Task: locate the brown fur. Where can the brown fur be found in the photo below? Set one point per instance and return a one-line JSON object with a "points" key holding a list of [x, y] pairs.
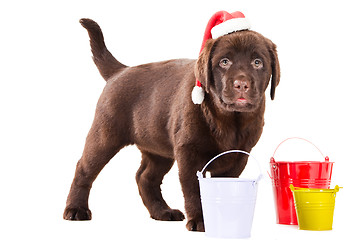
{"points": [[150, 106]]}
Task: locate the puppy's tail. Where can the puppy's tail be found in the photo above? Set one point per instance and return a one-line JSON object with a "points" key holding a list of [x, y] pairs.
{"points": [[103, 59]]}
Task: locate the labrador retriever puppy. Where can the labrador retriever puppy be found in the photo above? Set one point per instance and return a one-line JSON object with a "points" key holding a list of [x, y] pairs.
{"points": [[150, 106]]}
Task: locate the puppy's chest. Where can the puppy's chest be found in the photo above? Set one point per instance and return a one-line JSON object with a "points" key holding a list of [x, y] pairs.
{"points": [[231, 138], [235, 135]]}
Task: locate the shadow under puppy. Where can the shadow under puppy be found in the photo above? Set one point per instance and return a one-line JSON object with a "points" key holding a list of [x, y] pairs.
{"points": [[151, 106]]}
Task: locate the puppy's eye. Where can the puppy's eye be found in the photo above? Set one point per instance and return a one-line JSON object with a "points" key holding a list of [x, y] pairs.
{"points": [[225, 63], [257, 63]]}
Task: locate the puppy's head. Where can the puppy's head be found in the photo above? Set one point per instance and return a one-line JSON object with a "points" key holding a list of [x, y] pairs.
{"points": [[236, 69]]}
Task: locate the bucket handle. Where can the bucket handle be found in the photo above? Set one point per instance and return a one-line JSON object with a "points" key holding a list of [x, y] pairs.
{"points": [[200, 174], [336, 189], [272, 159]]}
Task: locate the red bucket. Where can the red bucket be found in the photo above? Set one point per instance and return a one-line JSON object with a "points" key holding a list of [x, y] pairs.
{"points": [[302, 174]]}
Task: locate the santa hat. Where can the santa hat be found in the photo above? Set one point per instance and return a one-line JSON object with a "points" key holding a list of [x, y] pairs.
{"points": [[220, 24]]}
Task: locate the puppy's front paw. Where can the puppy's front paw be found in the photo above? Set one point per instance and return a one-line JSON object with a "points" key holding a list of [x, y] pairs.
{"points": [[168, 215], [77, 213], [195, 224]]}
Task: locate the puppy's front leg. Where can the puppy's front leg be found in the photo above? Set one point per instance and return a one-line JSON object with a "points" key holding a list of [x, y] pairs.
{"points": [[188, 166]]}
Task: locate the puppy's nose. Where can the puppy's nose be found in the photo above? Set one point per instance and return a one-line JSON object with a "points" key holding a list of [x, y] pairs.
{"points": [[241, 85]]}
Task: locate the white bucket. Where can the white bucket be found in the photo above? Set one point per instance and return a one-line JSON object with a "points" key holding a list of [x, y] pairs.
{"points": [[228, 204]]}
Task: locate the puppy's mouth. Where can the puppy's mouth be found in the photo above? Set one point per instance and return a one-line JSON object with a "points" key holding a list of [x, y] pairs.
{"points": [[240, 104], [241, 100]]}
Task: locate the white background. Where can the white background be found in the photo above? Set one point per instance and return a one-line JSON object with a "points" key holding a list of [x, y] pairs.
{"points": [[50, 86]]}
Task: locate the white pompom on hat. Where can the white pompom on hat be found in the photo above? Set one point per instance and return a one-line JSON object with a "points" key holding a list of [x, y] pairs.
{"points": [[220, 24]]}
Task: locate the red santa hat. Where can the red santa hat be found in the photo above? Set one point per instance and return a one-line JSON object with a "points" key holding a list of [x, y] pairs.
{"points": [[220, 24]]}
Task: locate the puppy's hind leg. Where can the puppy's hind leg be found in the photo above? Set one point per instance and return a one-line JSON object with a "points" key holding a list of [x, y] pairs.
{"points": [[101, 145], [149, 178]]}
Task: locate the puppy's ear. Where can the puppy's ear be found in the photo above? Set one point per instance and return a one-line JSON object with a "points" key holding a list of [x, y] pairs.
{"points": [[203, 67], [275, 67]]}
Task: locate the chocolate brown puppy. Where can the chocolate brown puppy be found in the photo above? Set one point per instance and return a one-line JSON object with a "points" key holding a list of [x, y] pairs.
{"points": [[150, 106]]}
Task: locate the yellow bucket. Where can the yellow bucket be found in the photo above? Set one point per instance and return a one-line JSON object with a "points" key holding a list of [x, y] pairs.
{"points": [[314, 207]]}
